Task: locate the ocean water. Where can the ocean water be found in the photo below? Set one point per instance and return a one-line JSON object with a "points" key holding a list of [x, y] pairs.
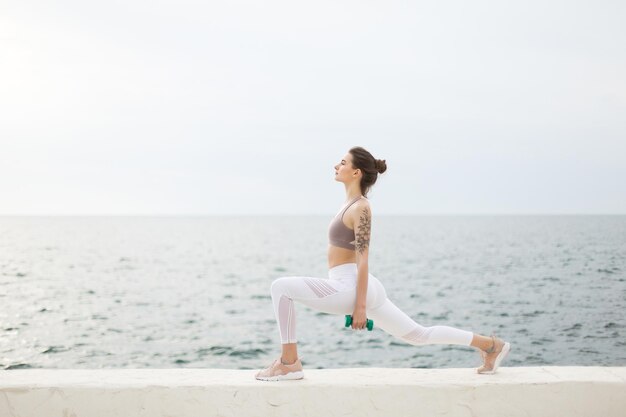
{"points": [[193, 292]]}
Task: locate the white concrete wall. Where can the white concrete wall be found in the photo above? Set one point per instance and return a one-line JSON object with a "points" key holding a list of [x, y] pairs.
{"points": [[532, 391]]}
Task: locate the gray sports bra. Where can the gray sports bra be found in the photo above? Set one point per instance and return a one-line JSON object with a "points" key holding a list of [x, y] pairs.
{"points": [[338, 233]]}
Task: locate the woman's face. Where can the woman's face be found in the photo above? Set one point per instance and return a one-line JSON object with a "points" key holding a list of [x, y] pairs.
{"points": [[344, 170]]}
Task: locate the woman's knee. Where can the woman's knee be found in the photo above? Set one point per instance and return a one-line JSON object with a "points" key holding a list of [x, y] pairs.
{"points": [[420, 335], [280, 285], [276, 285]]}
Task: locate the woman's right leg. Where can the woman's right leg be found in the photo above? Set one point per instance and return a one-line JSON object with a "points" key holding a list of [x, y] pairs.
{"points": [[325, 295]]}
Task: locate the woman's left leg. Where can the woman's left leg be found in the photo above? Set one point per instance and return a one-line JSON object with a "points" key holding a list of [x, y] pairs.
{"points": [[394, 321]]}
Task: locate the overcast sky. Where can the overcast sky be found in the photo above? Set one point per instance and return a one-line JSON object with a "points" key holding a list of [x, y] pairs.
{"points": [[244, 107]]}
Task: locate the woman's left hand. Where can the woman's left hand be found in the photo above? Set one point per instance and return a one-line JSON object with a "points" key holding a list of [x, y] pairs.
{"points": [[359, 319]]}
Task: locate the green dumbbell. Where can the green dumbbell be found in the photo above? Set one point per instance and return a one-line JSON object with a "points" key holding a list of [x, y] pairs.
{"points": [[370, 323]]}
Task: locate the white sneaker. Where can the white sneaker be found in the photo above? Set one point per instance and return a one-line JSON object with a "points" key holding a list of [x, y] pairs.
{"points": [[278, 371]]}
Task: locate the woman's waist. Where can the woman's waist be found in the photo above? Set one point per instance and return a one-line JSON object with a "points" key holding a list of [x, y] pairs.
{"points": [[339, 256], [343, 271]]}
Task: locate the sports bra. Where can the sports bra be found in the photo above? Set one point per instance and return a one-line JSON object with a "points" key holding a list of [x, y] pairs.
{"points": [[338, 233]]}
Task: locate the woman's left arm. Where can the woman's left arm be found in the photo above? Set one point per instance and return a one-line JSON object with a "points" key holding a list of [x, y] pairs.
{"points": [[362, 230]]}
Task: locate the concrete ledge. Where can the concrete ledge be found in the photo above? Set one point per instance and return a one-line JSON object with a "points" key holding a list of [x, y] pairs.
{"points": [[532, 391]]}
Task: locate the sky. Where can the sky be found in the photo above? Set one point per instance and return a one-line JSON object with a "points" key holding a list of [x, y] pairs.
{"points": [[141, 107]]}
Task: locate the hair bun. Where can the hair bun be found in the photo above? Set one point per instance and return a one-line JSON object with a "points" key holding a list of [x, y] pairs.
{"points": [[381, 165]]}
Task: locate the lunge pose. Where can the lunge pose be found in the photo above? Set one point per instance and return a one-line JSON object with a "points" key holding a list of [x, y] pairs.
{"points": [[351, 289]]}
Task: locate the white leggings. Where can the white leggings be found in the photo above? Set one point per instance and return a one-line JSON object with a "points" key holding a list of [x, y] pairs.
{"points": [[337, 295]]}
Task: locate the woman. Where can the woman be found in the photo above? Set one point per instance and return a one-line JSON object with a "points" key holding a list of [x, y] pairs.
{"points": [[351, 289]]}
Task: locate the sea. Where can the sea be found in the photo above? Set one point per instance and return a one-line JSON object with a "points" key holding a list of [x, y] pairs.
{"points": [[194, 292]]}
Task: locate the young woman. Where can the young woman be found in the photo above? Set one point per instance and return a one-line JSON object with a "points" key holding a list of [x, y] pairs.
{"points": [[351, 289]]}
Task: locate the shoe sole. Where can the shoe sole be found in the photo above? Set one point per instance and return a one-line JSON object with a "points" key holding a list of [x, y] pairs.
{"points": [[503, 353], [285, 377]]}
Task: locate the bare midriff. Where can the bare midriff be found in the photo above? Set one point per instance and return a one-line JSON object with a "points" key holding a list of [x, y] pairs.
{"points": [[338, 256]]}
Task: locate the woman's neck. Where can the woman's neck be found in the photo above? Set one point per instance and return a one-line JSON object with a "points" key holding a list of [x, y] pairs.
{"points": [[353, 191]]}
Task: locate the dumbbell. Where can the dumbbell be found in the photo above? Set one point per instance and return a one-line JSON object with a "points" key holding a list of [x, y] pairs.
{"points": [[370, 323]]}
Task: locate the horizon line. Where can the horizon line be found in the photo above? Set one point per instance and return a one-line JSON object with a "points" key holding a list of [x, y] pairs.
{"points": [[296, 214]]}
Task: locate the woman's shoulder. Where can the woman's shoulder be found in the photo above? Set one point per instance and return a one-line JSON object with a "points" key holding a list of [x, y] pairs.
{"points": [[362, 202], [361, 205]]}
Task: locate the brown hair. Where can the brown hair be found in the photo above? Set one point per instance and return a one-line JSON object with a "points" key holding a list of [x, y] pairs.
{"points": [[369, 166]]}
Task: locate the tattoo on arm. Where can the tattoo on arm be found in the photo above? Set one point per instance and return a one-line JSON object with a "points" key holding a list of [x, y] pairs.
{"points": [[363, 234]]}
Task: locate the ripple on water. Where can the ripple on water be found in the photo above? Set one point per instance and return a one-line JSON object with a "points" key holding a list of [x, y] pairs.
{"points": [[538, 342], [248, 353], [18, 366], [442, 316], [214, 350], [551, 279], [55, 349], [534, 313], [260, 297]]}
